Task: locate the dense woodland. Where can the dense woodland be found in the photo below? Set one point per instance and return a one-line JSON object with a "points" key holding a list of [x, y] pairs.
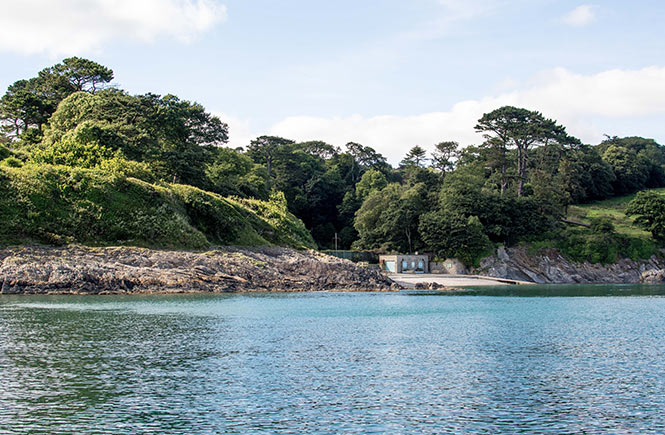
{"points": [[459, 201]]}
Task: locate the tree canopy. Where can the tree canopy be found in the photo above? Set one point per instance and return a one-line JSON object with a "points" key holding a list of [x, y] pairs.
{"points": [[444, 198]]}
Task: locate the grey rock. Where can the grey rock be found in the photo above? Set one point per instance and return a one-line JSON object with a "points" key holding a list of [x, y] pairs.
{"points": [[84, 270], [549, 266]]}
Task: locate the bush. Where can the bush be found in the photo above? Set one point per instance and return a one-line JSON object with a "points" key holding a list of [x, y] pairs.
{"points": [[121, 167], [582, 245], [4, 152], [11, 162], [58, 205], [75, 148]]}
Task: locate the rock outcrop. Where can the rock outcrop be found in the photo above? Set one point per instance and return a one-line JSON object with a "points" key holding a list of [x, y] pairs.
{"points": [[84, 270], [654, 276], [549, 266]]}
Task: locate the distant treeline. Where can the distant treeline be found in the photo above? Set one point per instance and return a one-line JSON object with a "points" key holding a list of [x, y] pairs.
{"points": [[515, 186]]}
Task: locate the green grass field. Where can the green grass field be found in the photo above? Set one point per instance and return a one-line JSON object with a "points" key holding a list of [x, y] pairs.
{"points": [[613, 209]]}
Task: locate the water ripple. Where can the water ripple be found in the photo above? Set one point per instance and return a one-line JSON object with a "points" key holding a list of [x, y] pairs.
{"points": [[335, 363]]}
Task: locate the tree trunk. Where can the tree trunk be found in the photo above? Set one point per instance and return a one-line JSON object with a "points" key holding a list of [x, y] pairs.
{"points": [[407, 232], [521, 169]]}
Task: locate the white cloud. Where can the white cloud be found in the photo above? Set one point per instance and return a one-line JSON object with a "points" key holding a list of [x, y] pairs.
{"points": [[76, 26], [585, 104], [240, 132], [580, 16]]}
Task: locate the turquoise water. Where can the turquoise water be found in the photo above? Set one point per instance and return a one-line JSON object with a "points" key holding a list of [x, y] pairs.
{"points": [[410, 362]]}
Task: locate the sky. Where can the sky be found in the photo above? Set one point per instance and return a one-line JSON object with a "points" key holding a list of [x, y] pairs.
{"points": [[385, 73]]}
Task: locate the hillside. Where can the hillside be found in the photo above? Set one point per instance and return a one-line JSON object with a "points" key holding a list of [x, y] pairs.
{"points": [[60, 205], [614, 210], [607, 236]]}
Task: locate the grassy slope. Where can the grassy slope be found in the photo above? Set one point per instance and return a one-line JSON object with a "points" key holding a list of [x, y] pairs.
{"points": [[613, 209], [583, 244], [59, 205]]}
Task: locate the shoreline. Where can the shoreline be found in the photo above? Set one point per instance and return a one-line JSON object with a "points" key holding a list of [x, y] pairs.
{"points": [[83, 270], [79, 270]]}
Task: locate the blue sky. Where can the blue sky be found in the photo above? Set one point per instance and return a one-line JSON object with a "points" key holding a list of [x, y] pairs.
{"points": [[384, 73]]}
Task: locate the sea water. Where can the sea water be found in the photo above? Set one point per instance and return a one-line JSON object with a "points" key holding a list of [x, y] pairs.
{"points": [[557, 359]]}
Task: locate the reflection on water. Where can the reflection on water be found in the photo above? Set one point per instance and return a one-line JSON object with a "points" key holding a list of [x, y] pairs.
{"points": [[331, 363], [554, 290]]}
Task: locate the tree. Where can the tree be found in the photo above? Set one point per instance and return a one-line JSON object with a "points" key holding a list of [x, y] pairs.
{"points": [[234, 173], [505, 218], [416, 156], [365, 157], [443, 156], [82, 74], [585, 176], [265, 149], [319, 149], [78, 147], [648, 207], [28, 104], [454, 235], [22, 109], [523, 129], [388, 218], [631, 172], [371, 180], [178, 138]]}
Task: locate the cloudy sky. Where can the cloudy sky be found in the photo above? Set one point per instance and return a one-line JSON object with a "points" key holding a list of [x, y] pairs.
{"points": [[386, 73]]}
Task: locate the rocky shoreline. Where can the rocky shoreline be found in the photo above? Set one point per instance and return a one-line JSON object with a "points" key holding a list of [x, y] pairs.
{"points": [[130, 270], [123, 270], [550, 267]]}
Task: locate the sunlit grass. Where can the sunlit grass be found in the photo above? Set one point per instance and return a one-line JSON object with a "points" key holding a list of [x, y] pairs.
{"points": [[613, 209]]}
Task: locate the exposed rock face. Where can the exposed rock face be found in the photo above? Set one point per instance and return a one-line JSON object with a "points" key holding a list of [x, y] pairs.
{"points": [[82, 270], [549, 266], [653, 277]]}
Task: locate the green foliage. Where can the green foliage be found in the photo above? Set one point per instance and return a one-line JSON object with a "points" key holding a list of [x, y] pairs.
{"points": [[273, 222], [580, 244], [176, 137], [28, 104], [505, 218], [370, 181], [650, 156], [630, 171], [452, 235], [614, 210], [4, 152], [78, 147], [121, 167], [649, 211], [602, 226], [23, 110], [82, 74], [234, 173], [11, 162], [109, 147], [388, 218], [586, 176], [58, 204], [444, 155], [416, 156], [523, 129]]}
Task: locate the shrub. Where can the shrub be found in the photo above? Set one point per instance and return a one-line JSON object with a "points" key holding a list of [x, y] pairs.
{"points": [[58, 204]]}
